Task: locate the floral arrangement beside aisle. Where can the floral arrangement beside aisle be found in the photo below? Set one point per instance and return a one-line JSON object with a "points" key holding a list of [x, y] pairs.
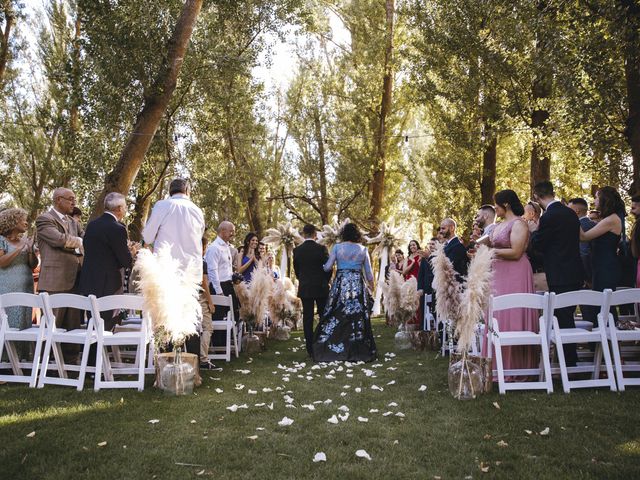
{"points": [[285, 237], [386, 241], [401, 300], [285, 309], [254, 299]]}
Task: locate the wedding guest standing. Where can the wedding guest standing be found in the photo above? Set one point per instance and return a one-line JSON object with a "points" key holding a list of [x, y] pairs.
{"points": [[106, 254], [60, 244], [412, 262], [557, 239], [486, 218], [178, 224], [248, 261], [17, 261], [344, 332], [313, 282], [581, 208], [605, 238], [512, 273], [453, 247], [532, 212]]}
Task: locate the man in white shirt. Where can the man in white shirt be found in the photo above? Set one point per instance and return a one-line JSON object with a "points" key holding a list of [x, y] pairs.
{"points": [[178, 223]]}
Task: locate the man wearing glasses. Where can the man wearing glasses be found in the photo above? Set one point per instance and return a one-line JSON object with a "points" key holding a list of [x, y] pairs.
{"points": [[60, 243]]}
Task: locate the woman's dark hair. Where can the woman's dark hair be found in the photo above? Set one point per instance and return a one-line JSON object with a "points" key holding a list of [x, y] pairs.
{"points": [[409, 246], [351, 233], [609, 202], [504, 197], [247, 240], [399, 251]]}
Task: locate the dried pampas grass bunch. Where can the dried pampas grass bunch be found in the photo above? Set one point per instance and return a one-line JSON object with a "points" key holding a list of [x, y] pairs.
{"points": [[170, 295], [446, 286], [392, 291], [474, 298], [254, 296]]}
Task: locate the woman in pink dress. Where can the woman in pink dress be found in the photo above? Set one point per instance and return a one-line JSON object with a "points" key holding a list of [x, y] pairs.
{"points": [[513, 274]]}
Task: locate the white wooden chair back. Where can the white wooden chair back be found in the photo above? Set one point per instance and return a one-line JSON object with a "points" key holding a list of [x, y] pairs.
{"points": [[8, 336], [631, 337]]}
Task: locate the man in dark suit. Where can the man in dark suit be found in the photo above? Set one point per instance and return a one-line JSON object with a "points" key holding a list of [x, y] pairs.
{"points": [[313, 282], [107, 254], [453, 247], [557, 239]]}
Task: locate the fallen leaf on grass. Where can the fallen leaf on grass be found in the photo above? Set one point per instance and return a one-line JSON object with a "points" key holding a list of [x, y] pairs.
{"points": [[102, 444], [502, 444], [31, 435], [545, 431], [363, 454], [497, 405], [285, 422], [319, 457]]}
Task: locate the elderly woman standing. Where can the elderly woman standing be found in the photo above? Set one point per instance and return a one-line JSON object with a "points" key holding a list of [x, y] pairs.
{"points": [[17, 260]]}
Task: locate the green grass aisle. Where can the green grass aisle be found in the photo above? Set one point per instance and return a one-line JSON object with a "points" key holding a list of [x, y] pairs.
{"points": [[428, 434]]}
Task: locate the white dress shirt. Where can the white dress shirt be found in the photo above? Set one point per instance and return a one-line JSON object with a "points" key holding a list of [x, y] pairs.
{"points": [[489, 228], [178, 223], [219, 263]]}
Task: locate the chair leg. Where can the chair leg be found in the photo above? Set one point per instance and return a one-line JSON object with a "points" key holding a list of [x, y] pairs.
{"points": [[597, 361], [45, 362], [142, 350], [36, 363], [230, 327], [13, 359], [59, 358], [83, 364], [499, 366]]}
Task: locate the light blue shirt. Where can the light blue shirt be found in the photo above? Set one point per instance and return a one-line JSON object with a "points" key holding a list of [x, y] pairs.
{"points": [[350, 256]]}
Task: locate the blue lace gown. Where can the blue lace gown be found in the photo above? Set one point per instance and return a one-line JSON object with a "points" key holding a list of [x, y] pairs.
{"points": [[344, 331]]}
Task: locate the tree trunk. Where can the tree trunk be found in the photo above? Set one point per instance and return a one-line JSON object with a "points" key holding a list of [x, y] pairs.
{"points": [[140, 215], [632, 77], [124, 173], [10, 19], [382, 142], [541, 90], [322, 168], [254, 214], [489, 162]]}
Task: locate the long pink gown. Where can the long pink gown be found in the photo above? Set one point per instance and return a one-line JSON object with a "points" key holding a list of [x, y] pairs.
{"points": [[514, 276]]}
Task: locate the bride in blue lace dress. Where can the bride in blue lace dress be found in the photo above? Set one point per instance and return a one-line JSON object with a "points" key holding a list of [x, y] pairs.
{"points": [[344, 331]]}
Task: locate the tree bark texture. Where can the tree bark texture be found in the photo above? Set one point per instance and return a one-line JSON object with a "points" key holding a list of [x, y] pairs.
{"points": [[322, 168], [632, 78], [489, 162], [9, 18], [124, 173], [382, 140]]}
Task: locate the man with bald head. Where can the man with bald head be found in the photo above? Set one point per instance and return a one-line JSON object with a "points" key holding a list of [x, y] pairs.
{"points": [[219, 260], [60, 243], [453, 247]]}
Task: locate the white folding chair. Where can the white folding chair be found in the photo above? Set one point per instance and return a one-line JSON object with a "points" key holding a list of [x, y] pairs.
{"points": [[138, 337], [10, 335], [616, 336], [501, 339], [597, 335], [229, 326], [57, 336], [428, 320]]}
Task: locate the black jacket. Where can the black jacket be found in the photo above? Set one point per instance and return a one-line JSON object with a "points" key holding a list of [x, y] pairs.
{"points": [[105, 255], [308, 260], [557, 240], [455, 251]]}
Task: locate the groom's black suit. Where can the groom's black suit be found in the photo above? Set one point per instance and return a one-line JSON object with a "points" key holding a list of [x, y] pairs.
{"points": [[558, 241], [313, 282]]}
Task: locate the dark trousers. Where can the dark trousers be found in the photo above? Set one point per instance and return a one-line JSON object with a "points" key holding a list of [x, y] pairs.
{"points": [[219, 337], [565, 320], [307, 317]]}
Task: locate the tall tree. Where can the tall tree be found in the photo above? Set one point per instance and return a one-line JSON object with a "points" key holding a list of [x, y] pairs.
{"points": [[156, 101]]}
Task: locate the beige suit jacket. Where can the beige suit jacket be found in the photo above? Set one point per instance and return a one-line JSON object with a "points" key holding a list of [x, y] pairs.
{"points": [[59, 266]]}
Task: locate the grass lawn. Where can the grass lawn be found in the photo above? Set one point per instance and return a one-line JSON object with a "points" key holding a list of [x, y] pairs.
{"points": [[592, 433]]}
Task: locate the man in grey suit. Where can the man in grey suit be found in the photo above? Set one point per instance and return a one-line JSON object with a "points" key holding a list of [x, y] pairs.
{"points": [[60, 243]]}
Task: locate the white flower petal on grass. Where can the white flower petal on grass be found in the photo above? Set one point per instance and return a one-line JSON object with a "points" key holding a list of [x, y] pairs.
{"points": [[333, 420], [244, 372], [392, 404], [374, 410], [155, 420], [392, 382], [288, 405], [344, 417], [244, 405], [253, 437], [319, 457], [260, 429], [400, 414], [330, 377], [349, 375], [363, 454], [358, 389], [343, 394], [288, 399], [267, 390], [309, 407], [270, 406], [219, 390], [376, 387], [327, 401], [423, 388], [252, 392], [233, 408], [391, 368], [31, 435], [545, 431], [285, 422], [346, 387], [102, 444], [259, 404], [193, 421], [363, 419], [309, 378], [343, 408], [386, 414], [277, 353], [239, 386]]}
